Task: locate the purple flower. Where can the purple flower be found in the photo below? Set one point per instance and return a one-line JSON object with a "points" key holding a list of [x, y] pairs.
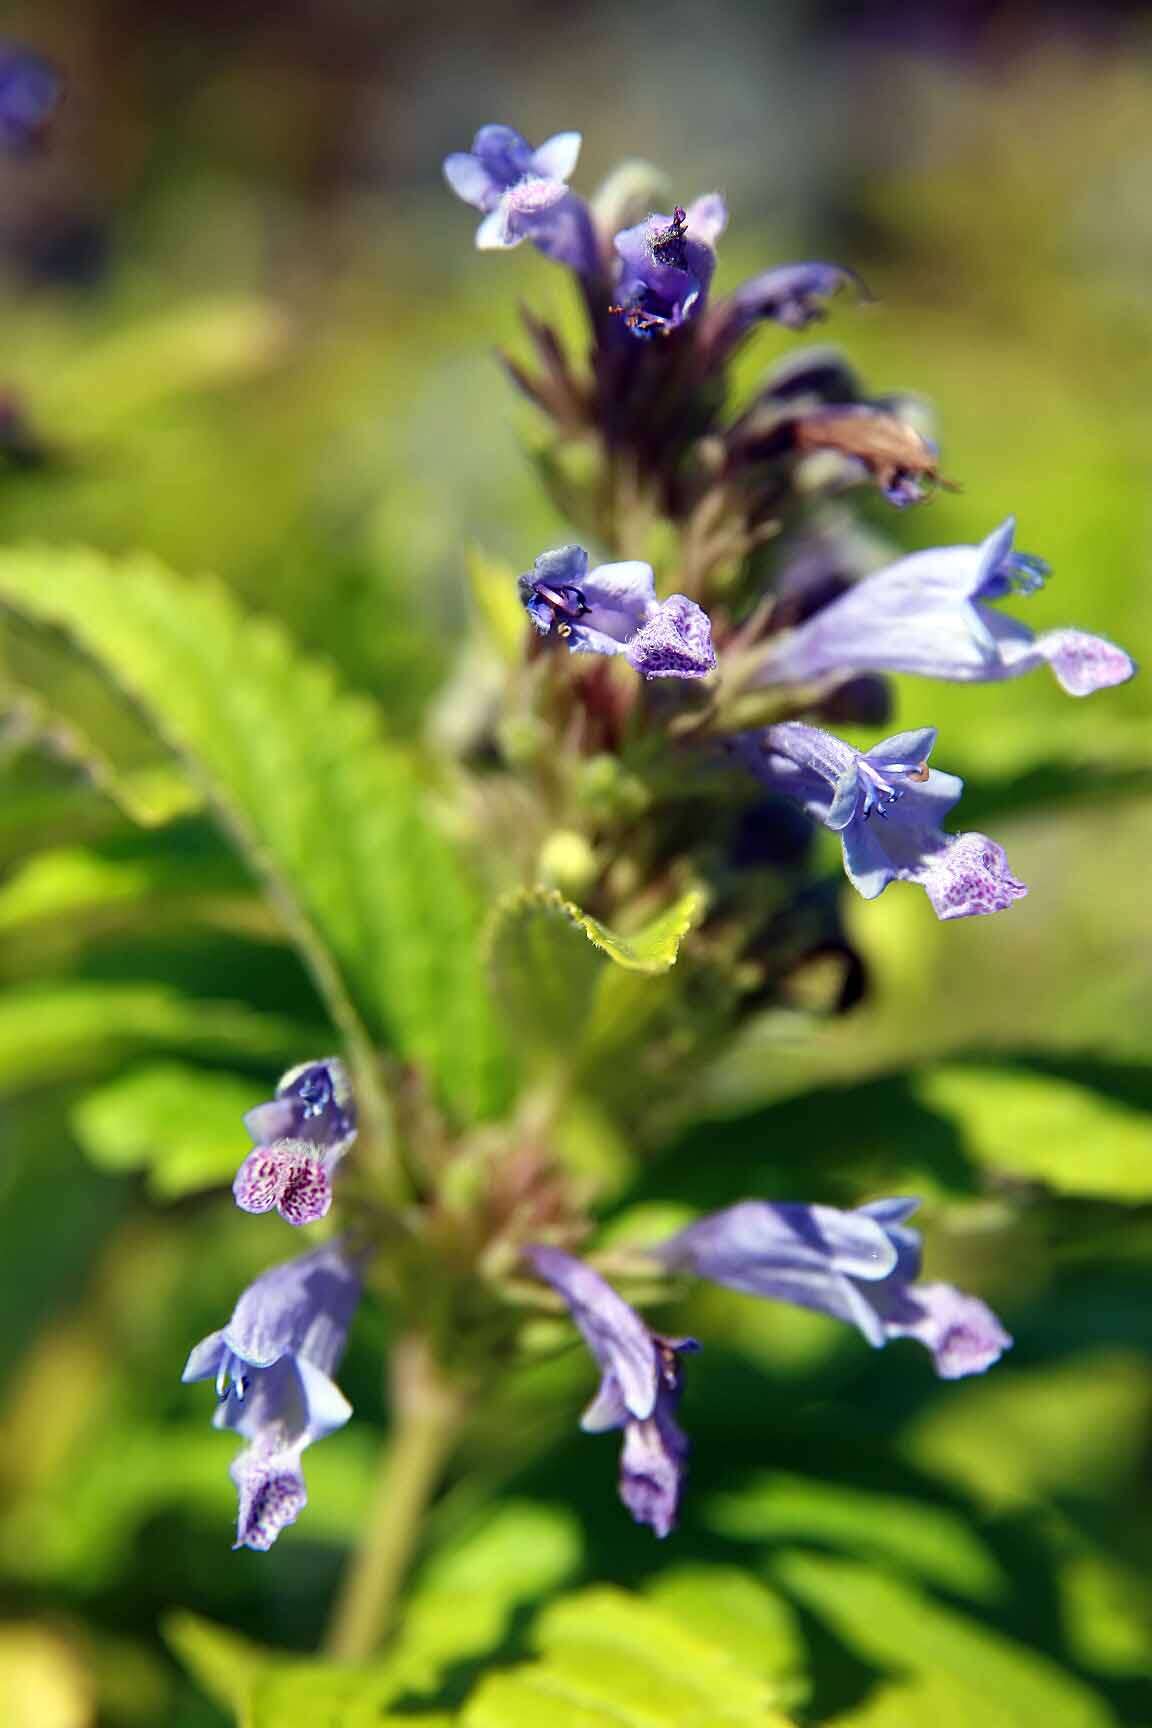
{"points": [[789, 294], [29, 93], [639, 1387], [666, 265], [931, 614], [524, 195], [301, 1135], [273, 1366], [793, 295], [613, 610], [858, 1266], [887, 805]]}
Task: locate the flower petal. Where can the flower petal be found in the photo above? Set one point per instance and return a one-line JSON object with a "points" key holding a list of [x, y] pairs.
{"points": [[969, 877], [557, 157], [1083, 663], [676, 642], [471, 180], [963, 1334], [613, 1331]]}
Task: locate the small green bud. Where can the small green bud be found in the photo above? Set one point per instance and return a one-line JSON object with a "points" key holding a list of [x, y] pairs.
{"points": [[568, 862]]}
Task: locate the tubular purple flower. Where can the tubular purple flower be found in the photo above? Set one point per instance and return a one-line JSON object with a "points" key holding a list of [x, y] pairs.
{"points": [[858, 1266], [887, 805], [639, 1386], [930, 614], [523, 194], [614, 610], [666, 265], [30, 88], [301, 1135], [793, 295], [273, 1366]]}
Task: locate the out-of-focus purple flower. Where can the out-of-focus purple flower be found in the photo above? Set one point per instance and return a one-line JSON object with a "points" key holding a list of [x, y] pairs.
{"points": [[301, 1135], [639, 1386], [859, 1266], [614, 610], [273, 1365], [29, 93], [790, 294], [930, 613], [313, 1102], [666, 265], [793, 295], [887, 805], [524, 195]]}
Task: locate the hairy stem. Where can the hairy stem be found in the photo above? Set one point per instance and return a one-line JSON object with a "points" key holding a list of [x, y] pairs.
{"points": [[426, 1417]]}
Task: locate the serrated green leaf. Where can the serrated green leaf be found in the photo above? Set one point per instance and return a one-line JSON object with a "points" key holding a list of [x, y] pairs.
{"points": [[931, 1542], [533, 952], [49, 1034], [151, 794], [610, 1660], [267, 1688], [96, 892], [1022, 1124], [741, 1615], [335, 821], [544, 971], [1007, 1685], [1074, 1428], [653, 948], [469, 1590], [181, 1124]]}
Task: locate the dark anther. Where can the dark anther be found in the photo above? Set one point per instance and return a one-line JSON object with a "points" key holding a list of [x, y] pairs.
{"points": [[667, 244]]}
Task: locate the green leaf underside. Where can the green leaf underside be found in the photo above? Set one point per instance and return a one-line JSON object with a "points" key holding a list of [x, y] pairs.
{"points": [[931, 1542], [937, 1653], [1077, 1140], [53, 1033], [609, 1660], [180, 1123], [335, 821]]}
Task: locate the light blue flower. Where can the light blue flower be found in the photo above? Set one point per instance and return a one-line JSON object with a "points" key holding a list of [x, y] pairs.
{"points": [[273, 1365], [639, 1386], [613, 609], [301, 1135], [523, 194], [931, 614], [887, 805], [859, 1266]]}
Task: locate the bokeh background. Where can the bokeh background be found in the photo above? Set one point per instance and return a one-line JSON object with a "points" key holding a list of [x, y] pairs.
{"points": [[245, 329]]}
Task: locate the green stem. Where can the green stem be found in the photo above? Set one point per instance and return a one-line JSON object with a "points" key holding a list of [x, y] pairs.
{"points": [[426, 1419]]}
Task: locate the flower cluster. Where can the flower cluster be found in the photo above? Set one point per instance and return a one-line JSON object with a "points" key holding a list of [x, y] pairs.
{"points": [[815, 641], [679, 734], [273, 1362], [859, 1266]]}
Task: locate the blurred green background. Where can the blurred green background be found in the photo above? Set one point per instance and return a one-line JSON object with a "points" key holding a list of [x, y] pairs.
{"points": [[245, 330]]}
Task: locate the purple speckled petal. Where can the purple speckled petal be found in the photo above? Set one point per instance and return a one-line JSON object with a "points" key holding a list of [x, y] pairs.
{"points": [[676, 642], [1082, 663], [272, 1495], [963, 1334], [307, 1192], [260, 1180], [969, 876]]}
